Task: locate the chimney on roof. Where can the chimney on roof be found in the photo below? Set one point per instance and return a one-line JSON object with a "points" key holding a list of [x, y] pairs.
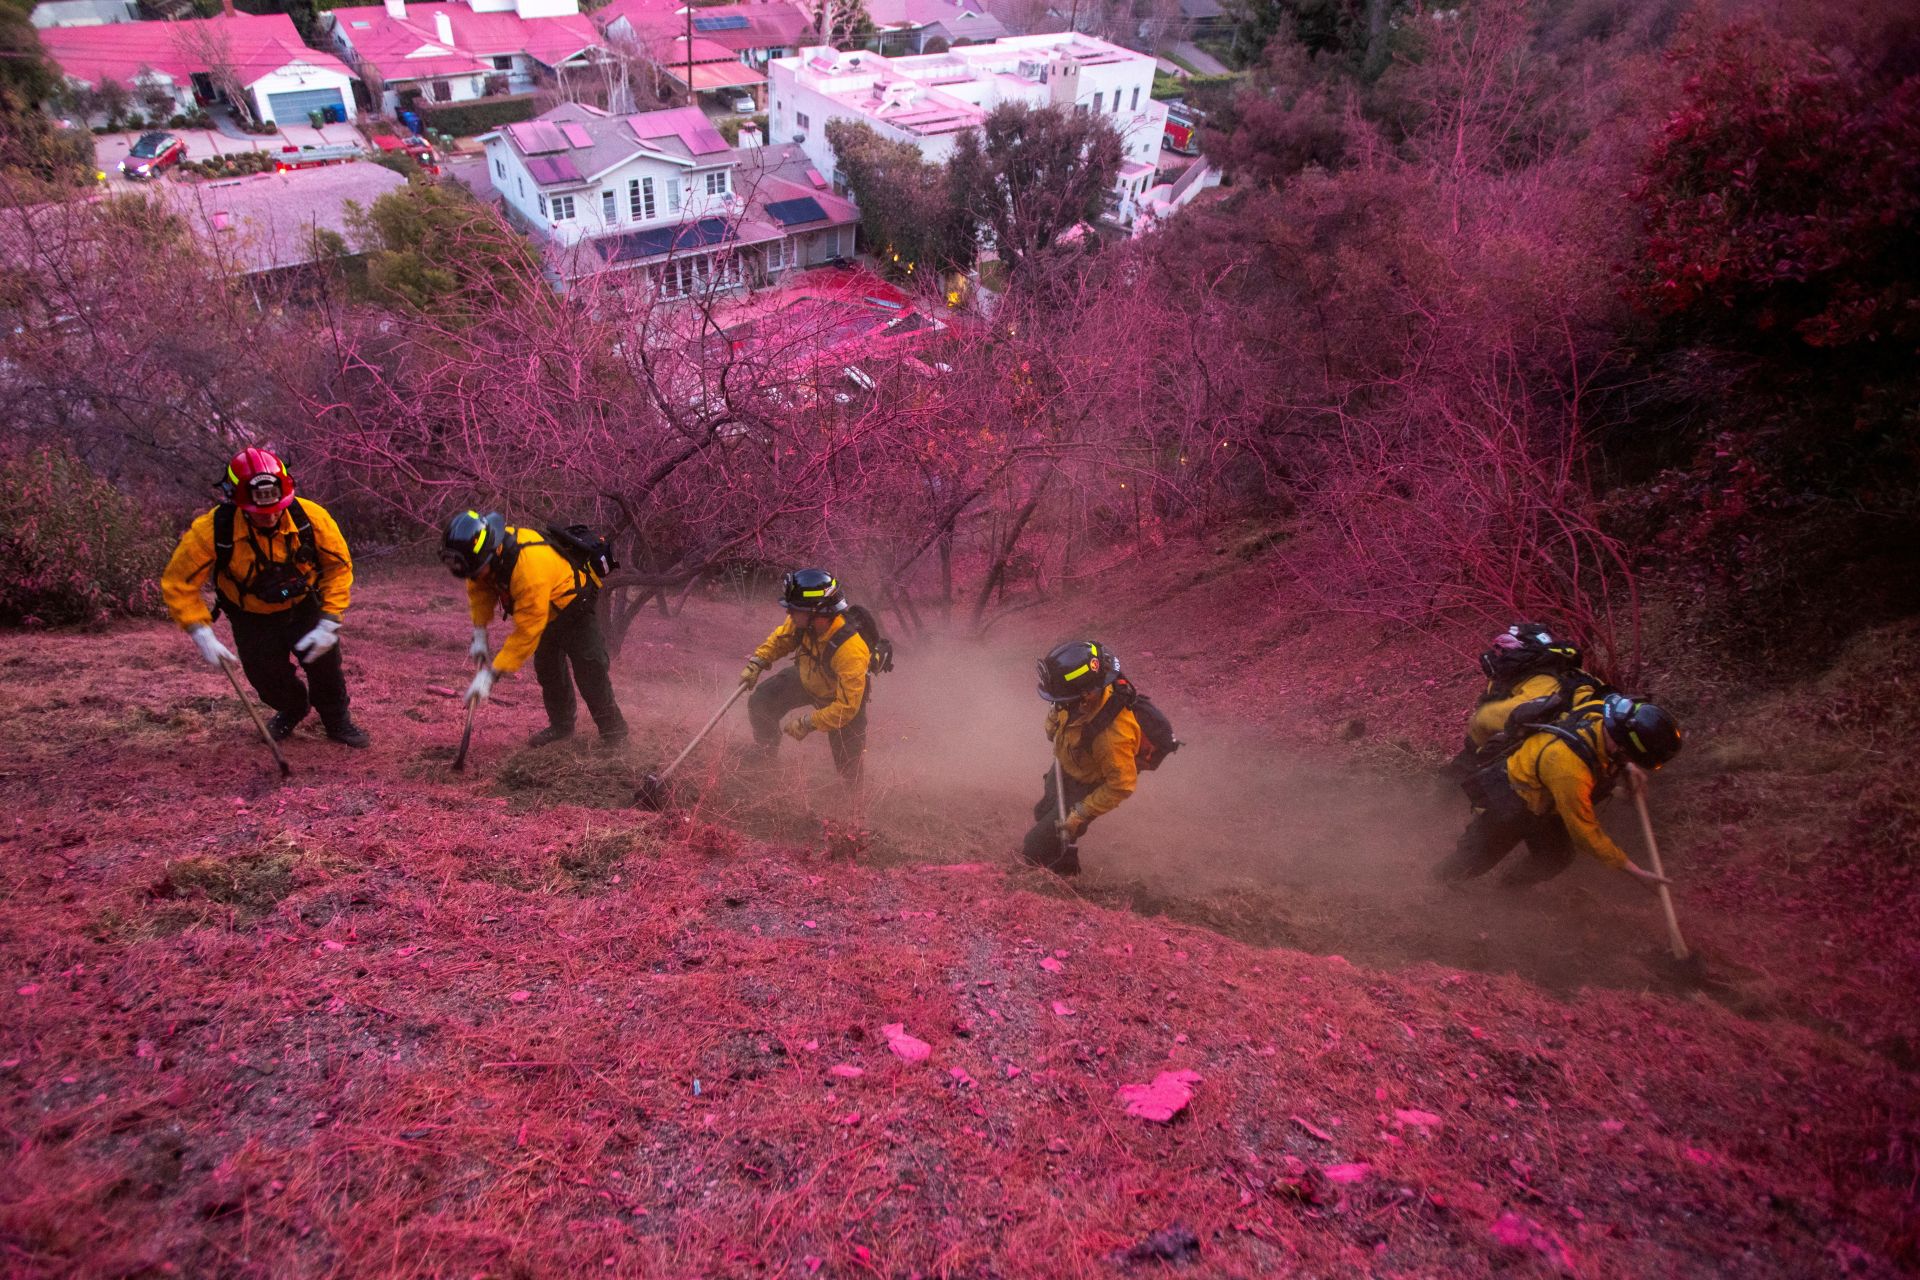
{"points": [[397, 9], [444, 25]]}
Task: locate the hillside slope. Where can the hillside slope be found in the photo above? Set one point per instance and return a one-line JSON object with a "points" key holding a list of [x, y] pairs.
{"points": [[387, 1020]]}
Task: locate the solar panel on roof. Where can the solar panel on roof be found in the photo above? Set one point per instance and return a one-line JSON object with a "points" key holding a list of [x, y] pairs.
{"points": [[577, 135], [658, 240], [551, 169], [536, 137], [789, 213], [689, 124], [726, 22]]}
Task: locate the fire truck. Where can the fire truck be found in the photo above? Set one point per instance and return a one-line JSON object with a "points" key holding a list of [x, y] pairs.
{"points": [[1182, 129], [318, 157]]}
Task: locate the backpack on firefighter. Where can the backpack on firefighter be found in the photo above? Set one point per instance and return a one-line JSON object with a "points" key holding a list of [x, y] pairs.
{"points": [[1157, 740], [862, 623]]}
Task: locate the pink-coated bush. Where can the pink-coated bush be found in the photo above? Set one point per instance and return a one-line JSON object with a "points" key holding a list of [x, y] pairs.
{"points": [[72, 547]]}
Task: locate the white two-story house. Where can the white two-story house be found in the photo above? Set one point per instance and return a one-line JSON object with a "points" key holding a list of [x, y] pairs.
{"points": [[929, 100], [663, 193]]}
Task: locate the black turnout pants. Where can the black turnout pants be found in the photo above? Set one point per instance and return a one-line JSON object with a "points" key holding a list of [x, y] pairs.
{"points": [[1496, 829], [265, 643], [1043, 846], [782, 692], [574, 637]]}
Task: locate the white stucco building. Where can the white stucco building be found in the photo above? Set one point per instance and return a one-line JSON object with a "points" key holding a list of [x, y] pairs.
{"points": [[930, 99]]}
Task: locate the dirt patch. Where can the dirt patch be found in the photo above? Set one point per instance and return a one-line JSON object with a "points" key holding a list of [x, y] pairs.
{"points": [[568, 773], [252, 882], [591, 861]]}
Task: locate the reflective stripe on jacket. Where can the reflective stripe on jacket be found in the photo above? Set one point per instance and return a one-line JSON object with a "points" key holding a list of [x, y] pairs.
{"points": [[1109, 760], [543, 582], [841, 681], [1549, 775], [192, 565]]}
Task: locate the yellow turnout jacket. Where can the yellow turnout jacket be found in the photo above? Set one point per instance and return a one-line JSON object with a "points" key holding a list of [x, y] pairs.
{"points": [[1549, 775], [839, 679], [1108, 760], [193, 560], [543, 582]]}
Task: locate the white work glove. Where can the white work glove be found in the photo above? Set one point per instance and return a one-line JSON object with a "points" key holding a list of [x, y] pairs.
{"points": [[209, 645], [317, 641], [482, 685], [478, 650]]}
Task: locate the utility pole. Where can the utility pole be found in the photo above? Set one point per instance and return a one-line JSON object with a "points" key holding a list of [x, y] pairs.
{"points": [[692, 99]]}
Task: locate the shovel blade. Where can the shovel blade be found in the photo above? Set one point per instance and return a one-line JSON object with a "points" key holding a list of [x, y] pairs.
{"points": [[651, 794]]}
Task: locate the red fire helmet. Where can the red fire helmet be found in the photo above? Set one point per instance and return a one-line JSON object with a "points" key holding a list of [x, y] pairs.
{"points": [[260, 483]]}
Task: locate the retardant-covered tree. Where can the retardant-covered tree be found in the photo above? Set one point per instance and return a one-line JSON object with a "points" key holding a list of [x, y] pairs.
{"points": [[1782, 199], [1287, 119], [1031, 173], [34, 150], [910, 214]]}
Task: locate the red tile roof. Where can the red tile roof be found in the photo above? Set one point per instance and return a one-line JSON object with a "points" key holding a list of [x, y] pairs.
{"points": [[256, 44], [391, 44]]}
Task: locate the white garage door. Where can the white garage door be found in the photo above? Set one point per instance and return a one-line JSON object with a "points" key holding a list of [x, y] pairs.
{"points": [[292, 108]]}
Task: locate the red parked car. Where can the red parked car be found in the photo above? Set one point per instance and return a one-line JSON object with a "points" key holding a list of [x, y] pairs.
{"points": [[153, 153]]}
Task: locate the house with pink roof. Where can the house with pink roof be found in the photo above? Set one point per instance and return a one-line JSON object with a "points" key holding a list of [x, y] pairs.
{"points": [[189, 61], [754, 34], [457, 50], [663, 195]]}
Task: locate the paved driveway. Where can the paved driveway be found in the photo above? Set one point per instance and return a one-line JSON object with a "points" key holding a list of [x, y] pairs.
{"points": [[1200, 60], [110, 149], [472, 173]]}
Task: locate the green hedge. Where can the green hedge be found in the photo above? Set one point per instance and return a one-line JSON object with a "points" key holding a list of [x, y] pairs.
{"points": [[465, 119], [1195, 84]]}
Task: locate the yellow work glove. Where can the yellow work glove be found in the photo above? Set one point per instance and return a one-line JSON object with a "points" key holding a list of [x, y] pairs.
{"points": [[751, 676], [800, 726], [1073, 824]]}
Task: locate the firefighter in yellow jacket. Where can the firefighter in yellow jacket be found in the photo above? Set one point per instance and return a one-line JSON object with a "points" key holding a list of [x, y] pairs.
{"points": [[1096, 745], [1532, 675], [828, 676], [551, 604], [1545, 790], [281, 572]]}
